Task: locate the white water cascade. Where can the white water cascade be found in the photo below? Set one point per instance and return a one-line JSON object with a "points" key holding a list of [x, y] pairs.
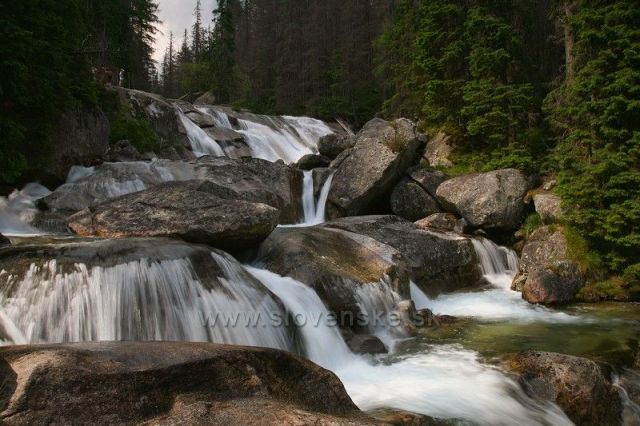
{"points": [[314, 209], [270, 138], [140, 300], [19, 209], [497, 302], [448, 381]]}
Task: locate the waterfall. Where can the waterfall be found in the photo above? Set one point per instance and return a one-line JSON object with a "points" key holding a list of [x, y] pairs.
{"points": [[323, 343], [314, 210], [497, 302], [424, 383], [201, 142], [269, 138], [141, 300], [18, 210]]}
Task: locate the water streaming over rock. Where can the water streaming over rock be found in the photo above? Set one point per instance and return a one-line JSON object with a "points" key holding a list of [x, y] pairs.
{"points": [[199, 295], [268, 137], [496, 302], [18, 210], [314, 209]]}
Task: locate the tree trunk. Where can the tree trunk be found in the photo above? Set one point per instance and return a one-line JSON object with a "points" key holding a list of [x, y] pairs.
{"points": [[569, 7]]}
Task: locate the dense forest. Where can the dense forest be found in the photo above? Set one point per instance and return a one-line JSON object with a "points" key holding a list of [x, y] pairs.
{"points": [[551, 87]]}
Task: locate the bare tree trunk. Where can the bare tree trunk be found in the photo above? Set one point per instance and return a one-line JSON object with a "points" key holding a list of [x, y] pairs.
{"points": [[569, 39]]}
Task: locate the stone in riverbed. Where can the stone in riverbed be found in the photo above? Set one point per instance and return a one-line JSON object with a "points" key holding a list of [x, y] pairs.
{"points": [[312, 161], [333, 144], [382, 153], [335, 263], [493, 200], [365, 344], [188, 210], [168, 383], [555, 283], [411, 201], [578, 385], [436, 262]]}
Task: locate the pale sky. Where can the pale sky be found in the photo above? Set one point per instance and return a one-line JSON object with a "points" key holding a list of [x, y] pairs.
{"points": [[176, 15]]}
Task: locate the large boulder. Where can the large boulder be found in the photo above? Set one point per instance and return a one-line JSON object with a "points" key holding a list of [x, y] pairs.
{"points": [[82, 138], [168, 383], [248, 179], [336, 263], [548, 206], [333, 144], [411, 201], [382, 152], [437, 262], [438, 151], [492, 200], [312, 161], [189, 210], [428, 178], [554, 283], [579, 386], [545, 245]]}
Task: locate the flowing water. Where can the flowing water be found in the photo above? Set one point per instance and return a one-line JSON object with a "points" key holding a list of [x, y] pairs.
{"points": [[19, 209], [268, 137], [314, 209]]}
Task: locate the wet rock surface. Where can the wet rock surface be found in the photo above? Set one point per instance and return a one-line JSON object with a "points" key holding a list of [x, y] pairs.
{"points": [[189, 210], [168, 383], [578, 385]]}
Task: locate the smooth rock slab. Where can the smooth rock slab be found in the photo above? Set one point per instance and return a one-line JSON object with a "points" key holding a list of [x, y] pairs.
{"points": [[493, 200], [179, 209], [578, 385], [168, 383]]}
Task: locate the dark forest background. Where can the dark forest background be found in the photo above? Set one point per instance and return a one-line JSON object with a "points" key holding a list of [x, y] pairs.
{"points": [[548, 86]]}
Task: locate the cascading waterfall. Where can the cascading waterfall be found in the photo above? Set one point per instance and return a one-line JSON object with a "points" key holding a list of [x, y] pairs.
{"points": [[140, 300], [201, 142], [18, 210], [270, 138], [497, 302], [448, 381], [314, 210]]}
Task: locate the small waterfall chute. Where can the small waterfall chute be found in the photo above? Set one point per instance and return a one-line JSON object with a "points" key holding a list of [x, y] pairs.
{"points": [[18, 210], [314, 209]]}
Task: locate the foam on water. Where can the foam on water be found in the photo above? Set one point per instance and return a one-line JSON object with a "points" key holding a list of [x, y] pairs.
{"points": [[19, 209], [497, 302]]}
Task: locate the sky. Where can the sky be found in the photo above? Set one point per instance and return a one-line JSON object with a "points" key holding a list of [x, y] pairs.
{"points": [[176, 15]]}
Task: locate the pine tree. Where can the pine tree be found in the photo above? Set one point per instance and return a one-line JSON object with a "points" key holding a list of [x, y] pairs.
{"points": [[197, 34], [223, 61], [169, 70]]}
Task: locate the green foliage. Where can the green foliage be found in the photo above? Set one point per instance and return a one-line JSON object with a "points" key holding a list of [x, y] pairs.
{"points": [[137, 131], [598, 115], [531, 223], [41, 76]]}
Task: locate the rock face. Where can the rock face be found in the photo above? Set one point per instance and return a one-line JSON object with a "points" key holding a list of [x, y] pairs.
{"points": [[312, 161], [556, 283], [248, 179], [411, 201], [545, 245], [382, 152], [442, 222], [579, 386], [429, 179], [82, 139], [168, 383], [436, 262], [332, 261], [548, 206], [547, 275], [439, 150], [492, 200], [188, 210], [332, 145], [123, 151]]}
